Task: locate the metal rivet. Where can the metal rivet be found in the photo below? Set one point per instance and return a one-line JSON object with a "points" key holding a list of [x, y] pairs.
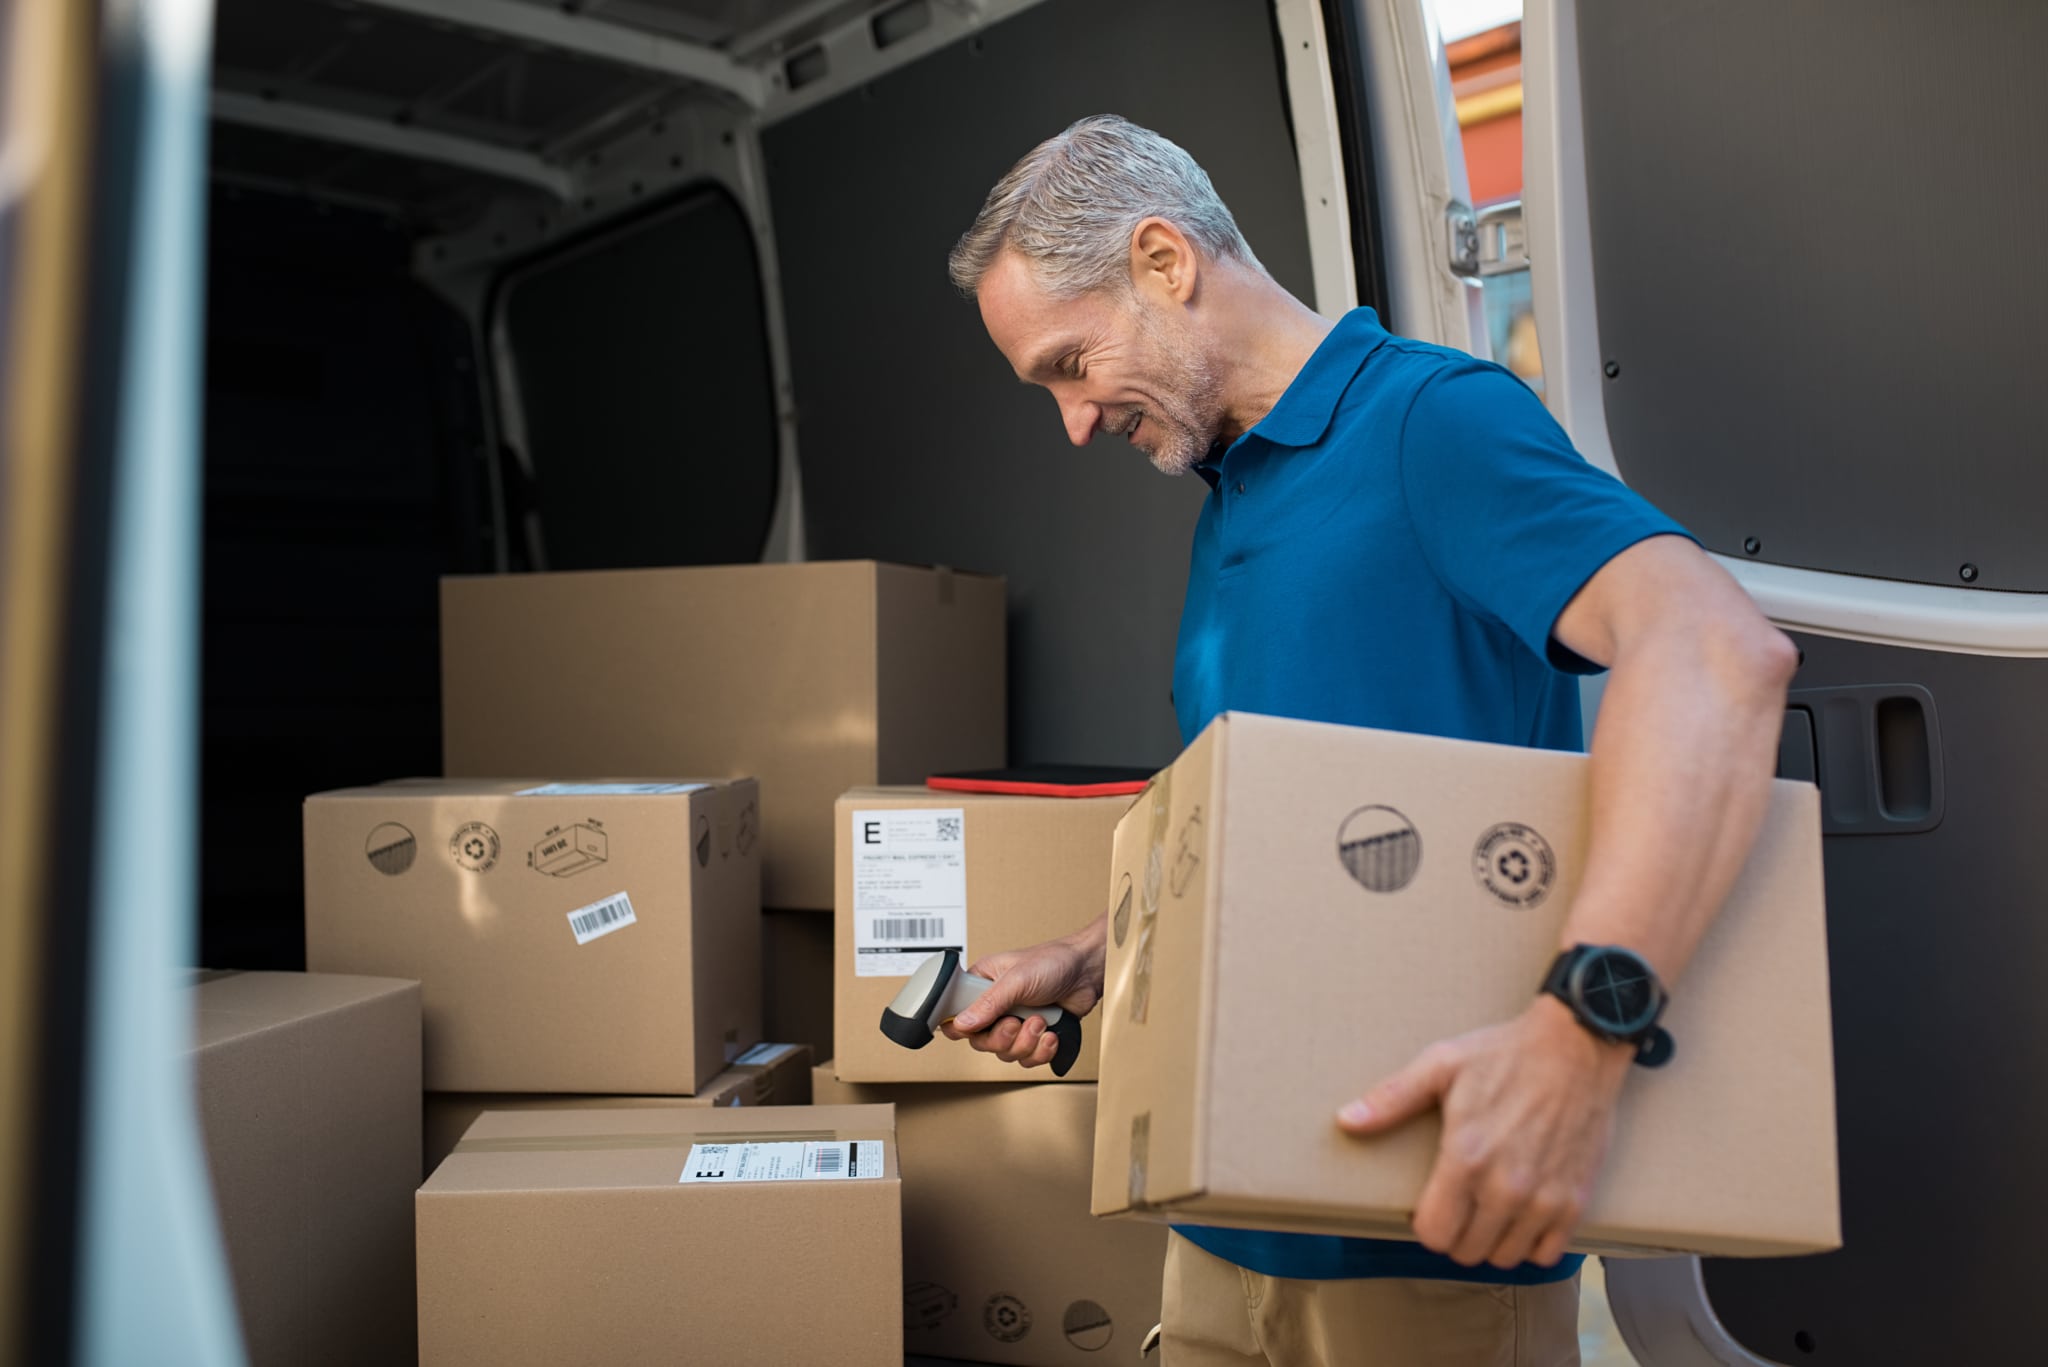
{"points": [[1969, 573], [1750, 545], [1240, 486], [1613, 369]]}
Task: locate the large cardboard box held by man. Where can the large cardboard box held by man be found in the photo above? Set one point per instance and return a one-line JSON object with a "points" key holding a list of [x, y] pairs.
{"points": [[1001, 1260], [766, 1075], [1299, 908], [748, 1238], [810, 677], [309, 1104], [570, 937], [921, 871]]}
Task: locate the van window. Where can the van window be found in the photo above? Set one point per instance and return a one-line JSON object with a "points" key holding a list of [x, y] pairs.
{"points": [[641, 402]]}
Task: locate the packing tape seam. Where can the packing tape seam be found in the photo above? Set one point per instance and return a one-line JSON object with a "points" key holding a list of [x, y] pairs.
{"points": [[664, 1139]]}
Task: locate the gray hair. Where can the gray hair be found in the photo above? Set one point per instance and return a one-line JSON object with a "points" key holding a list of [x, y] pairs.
{"points": [[1070, 206]]}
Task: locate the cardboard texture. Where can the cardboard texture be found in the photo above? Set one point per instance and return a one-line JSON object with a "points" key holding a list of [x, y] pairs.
{"points": [[469, 886], [1034, 870], [309, 1103], [782, 1078], [1298, 908], [812, 678], [1001, 1260], [568, 1237]]}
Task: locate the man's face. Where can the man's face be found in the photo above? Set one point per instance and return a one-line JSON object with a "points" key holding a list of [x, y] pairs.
{"points": [[1115, 360]]}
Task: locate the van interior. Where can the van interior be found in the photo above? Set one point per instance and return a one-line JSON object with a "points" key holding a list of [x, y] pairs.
{"points": [[503, 286]]}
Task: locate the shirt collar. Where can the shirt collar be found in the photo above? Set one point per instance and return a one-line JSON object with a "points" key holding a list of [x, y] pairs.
{"points": [[1304, 411]]}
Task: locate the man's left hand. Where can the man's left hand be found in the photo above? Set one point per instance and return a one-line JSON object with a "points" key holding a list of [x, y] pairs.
{"points": [[1528, 1107]]}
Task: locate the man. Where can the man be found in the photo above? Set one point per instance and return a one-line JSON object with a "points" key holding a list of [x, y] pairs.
{"points": [[1397, 535]]}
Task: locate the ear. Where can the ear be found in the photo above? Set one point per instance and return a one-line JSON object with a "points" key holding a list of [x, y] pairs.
{"points": [[1163, 262]]}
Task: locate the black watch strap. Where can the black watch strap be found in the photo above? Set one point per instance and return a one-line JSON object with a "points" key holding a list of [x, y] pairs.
{"points": [[1654, 1045]]}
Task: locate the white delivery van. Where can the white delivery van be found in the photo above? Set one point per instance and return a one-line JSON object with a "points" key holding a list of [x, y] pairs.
{"points": [[330, 298]]}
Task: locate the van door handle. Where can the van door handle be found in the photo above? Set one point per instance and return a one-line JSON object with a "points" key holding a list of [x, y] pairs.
{"points": [[1875, 750]]}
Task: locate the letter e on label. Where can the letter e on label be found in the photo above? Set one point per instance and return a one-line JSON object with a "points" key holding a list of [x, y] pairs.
{"points": [[871, 833]]}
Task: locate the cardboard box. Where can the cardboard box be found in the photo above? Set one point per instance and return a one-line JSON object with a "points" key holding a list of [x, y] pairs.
{"points": [[766, 1075], [920, 871], [309, 1103], [1042, 1283], [589, 1237], [812, 678], [634, 968], [1371, 892]]}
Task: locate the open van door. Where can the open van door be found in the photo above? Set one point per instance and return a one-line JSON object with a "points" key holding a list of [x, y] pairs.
{"points": [[1774, 292]]}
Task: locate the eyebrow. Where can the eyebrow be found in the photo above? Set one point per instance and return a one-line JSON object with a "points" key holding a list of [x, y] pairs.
{"points": [[1046, 360]]}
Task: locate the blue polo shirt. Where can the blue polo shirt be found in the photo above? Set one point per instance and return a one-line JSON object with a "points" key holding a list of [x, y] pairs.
{"points": [[1390, 547]]}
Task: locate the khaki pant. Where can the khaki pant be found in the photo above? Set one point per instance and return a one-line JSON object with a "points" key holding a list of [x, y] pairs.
{"points": [[1218, 1314]]}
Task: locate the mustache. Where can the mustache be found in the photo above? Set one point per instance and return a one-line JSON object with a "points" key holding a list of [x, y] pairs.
{"points": [[1125, 421]]}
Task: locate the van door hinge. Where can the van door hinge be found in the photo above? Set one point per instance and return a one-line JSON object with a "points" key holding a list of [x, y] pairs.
{"points": [[1488, 243]]}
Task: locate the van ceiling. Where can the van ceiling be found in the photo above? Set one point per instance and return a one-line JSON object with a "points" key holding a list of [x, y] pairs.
{"points": [[430, 109]]}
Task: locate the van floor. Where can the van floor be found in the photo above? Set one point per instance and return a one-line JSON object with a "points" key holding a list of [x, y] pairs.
{"points": [[1600, 1342]]}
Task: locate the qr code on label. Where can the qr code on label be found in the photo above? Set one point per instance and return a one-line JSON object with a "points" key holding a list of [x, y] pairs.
{"points": [[949, 828]]}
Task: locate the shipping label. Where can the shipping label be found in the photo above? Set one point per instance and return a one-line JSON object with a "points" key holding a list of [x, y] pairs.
{"points": [[909, 888], [794, 1161]]}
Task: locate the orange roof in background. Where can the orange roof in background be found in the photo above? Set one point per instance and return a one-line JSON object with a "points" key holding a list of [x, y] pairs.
{"points": [[1486, 80]]}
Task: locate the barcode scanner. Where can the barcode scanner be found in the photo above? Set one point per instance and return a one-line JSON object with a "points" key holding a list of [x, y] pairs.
{"points": [[941, 989]]}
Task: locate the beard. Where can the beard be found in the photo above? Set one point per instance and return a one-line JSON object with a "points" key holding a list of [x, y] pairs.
{"points": [[1186, 414]]}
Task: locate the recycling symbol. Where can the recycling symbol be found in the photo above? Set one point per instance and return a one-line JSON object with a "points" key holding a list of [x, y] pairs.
{"points": [[475, 847], [1515, 864]]}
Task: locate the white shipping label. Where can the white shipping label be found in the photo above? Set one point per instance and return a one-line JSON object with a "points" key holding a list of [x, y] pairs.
{"points": [[606, 789], [909, 888], [601, 918], [793, 1161]]}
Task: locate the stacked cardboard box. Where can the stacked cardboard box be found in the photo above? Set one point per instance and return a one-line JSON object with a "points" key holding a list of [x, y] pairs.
{"points": [[309, 1104], [812, 678], [752, 1239], [568, 937], [1002, 1261]]}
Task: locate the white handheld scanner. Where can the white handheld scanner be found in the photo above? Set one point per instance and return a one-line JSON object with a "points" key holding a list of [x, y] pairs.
{"points": [[941, 989]]}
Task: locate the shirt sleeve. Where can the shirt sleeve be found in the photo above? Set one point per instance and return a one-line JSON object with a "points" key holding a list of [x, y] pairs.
{"points": [[1512, 520]]}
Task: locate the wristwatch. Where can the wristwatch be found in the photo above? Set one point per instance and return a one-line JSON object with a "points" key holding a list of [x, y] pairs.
{"points": [[1615, 994]]}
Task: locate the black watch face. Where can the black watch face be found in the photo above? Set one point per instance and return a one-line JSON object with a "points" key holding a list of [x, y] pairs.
{"points": [[1617, 990]]}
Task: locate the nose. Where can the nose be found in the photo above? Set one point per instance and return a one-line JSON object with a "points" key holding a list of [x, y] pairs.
{"points": [[1081, 418]]}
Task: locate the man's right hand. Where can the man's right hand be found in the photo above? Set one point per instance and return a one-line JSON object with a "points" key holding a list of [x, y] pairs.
{"points": [[1066, 973]]}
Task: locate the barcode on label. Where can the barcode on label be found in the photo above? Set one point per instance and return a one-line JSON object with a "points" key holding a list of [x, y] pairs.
{"points": [[601, 918], [784, 1161], [910, 928]]}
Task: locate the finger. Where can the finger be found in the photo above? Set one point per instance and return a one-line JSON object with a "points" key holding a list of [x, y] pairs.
{"points": [[1551, 1246], [1403, 1096], [1001, 995], [1026, 1043], [1498, 1204], [997, 1037], [1514, 1247], [1048, 1045], [1445, 1207]]}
